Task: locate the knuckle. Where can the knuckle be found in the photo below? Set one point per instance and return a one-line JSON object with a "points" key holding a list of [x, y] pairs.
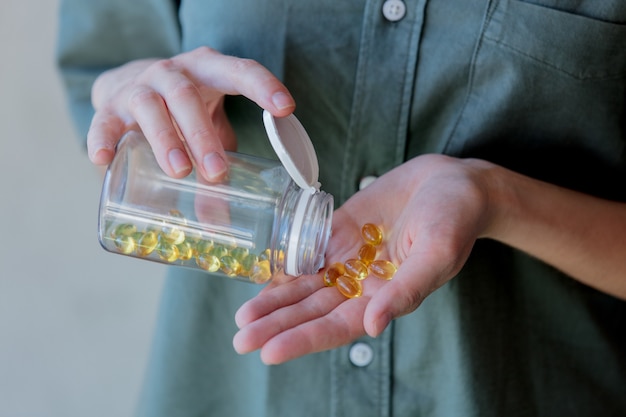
{"points": [[183, 89], [243, 65], [142, 95], [163, 65], [166, 135], [203, 50], [199, 135]]}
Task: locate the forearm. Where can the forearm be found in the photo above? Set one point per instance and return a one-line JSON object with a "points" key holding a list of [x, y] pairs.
{"points": [[581, 235]]}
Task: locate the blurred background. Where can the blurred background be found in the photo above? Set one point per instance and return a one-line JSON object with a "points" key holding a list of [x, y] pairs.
{"points": [[75, 321]]}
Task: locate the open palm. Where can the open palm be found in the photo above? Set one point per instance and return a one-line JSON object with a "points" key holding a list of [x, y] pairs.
{"points": [[432, 209]]}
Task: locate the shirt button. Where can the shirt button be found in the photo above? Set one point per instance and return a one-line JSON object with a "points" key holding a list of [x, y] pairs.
{"points": [[365, 181], [394, 10], [361, 354]]}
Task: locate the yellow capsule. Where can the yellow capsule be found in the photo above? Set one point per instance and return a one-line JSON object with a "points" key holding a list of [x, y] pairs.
{"points": [[230, 265], [277, 256], [204, 246], [208, 262], [265, 255], [193, 236], [185, 251], [168, 251], [124, 229], [383, 269], [261, 272], [333, 272], [146, 243], [173, 235], [372, 234], [239, 253], [125, 244], [248, 263], [349, 286], [367, 253], [219, 250], [177, 215], [356, 269]]}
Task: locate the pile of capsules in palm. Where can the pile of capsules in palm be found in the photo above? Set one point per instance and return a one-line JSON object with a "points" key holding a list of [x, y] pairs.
{"points": [[171, 244], [348, 276]]}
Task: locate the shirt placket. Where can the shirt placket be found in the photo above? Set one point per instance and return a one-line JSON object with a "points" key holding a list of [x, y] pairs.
{"points": [[361, 373], [388, 51]]}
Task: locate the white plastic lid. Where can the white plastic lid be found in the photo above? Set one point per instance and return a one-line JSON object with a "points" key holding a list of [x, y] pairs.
{"points": [[294, 149]]}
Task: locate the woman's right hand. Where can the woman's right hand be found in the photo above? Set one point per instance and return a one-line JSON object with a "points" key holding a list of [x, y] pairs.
{"points": [[178, 104]]}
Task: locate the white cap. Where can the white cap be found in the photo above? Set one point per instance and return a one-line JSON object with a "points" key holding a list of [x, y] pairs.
{"points": [[294, 149]]}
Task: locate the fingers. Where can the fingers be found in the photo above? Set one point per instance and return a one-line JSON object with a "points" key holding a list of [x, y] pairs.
{"points": [[431, 262], [321, 321], [192, 87], [178, 104], [397, 297], [254, 334], [340, 326], [105, 131], [286, 294], [236, 76], [151, 112]]}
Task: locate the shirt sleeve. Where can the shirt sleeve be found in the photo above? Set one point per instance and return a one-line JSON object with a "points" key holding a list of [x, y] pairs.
{"points": [[98, 35]]}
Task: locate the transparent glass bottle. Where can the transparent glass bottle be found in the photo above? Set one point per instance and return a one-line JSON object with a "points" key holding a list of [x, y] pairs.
{"points": [[260, 220]]}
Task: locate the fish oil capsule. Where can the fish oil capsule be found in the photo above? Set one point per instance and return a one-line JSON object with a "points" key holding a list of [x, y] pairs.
{"points": [[349, 286], [125, 244], [170, 231], [173, 235], [230, 265], [146, 243], [333, 272], [367, 253], [261, 272], [383, 269], [247, 264], [204, 246], [208, 262], [219, 250], [185, 251], [124, 229], [239, 253], [167, 251], [372, 234], [265, 255], [356, 269]]}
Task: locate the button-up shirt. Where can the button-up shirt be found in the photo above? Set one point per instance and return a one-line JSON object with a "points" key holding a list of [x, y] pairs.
{"points": [[538, 86]]}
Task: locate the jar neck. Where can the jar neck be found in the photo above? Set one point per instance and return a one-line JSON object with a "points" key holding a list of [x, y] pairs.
{"points": [[301, 231]]}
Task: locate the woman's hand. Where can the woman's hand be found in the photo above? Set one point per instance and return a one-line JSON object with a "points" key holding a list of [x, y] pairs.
{"points": [[178, 104], [431, 210]]}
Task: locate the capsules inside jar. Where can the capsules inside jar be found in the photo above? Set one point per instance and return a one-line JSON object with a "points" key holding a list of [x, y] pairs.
{"points": [[170, 243], [347, 276]]}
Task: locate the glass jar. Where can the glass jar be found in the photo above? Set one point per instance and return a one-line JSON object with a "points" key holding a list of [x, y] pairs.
{"points": [[256, 222]]}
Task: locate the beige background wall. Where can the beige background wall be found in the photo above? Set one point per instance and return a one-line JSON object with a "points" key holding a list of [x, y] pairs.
{"points": [[75, 321]]}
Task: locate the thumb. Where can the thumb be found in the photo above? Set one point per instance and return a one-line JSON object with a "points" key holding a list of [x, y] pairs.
{"points": [[412, 283]]}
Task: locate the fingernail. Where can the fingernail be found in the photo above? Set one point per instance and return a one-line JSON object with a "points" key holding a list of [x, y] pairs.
{"points": [[178, 161], [101, 156], [381, 324], [214, 166], [282, 101]]}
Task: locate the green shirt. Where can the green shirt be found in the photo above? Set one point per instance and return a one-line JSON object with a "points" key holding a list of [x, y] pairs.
{"points": [[538, 86]]}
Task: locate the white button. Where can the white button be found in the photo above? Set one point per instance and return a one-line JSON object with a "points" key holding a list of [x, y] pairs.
{"points": [[365, 181], [394, 10], [361, 354]]}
